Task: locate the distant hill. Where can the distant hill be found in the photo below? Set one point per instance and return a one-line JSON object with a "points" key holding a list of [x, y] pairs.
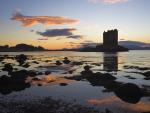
{"points": [[20, 48], [135, 45], [131, 45]]}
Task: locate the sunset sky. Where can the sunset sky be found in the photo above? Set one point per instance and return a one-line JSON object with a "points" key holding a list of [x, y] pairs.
{"points": [[56, 24]]}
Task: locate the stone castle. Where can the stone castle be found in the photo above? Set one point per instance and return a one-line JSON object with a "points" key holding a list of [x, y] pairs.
{"points": [[110, 43], [110, 38]]}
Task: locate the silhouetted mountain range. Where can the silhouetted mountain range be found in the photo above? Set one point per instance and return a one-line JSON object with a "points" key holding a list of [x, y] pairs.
{"points": [[131, 45], [135, 45], [21, 47]]}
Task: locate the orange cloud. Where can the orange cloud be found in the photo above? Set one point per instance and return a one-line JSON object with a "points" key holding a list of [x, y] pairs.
{"points": [[108, 1], [28, 21]]}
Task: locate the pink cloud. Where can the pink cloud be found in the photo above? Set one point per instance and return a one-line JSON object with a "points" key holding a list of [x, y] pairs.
{"points": [[108, 1], [28, 21]]}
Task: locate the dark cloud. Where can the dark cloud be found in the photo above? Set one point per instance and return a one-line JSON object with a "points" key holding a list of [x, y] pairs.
{"points": [[88, 43], [60, 33], [75, 36], [42, 39], [28, 21], [57, 32], [73, 43]]}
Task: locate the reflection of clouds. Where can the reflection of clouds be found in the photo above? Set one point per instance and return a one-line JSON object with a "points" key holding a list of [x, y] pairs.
{"points": [[103, 101], [113, 100], [50, 79]]}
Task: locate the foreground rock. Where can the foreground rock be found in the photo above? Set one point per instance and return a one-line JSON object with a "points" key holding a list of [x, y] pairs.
{"points": [[136, 67], [26, 65], [103, 76], [147, 74], [21, 59], [10, 84], [23, 74], [87, 72], [77, 63], [66, 60], [58, 63], [47, 72], [1, 58], [19, 75], [8, 68], [16, 81], [129, 92]]}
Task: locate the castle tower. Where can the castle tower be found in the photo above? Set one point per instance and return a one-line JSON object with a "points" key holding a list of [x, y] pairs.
{"points": [[110, 38]]}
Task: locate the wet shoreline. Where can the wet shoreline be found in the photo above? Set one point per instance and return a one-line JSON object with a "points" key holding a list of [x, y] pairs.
{"points": [[60, 74]]}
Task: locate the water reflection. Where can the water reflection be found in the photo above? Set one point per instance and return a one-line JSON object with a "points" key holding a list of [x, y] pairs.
{"points": [[115, 102], [110, 62], [9, 85]]}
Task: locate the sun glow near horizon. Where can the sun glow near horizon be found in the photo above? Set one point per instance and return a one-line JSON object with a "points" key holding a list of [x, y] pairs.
{"points": [[54, 29]]}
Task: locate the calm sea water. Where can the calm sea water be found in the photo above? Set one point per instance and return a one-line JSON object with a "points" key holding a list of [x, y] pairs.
{"points": [[83, 92]]}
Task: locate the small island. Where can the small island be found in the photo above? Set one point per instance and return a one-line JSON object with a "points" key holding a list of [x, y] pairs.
{"points": [[110, 43]]}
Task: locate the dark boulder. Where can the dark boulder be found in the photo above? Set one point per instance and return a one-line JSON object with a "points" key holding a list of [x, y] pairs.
{"points": [[36, 79], [19, 75], [21, 59], [66, 60], [1, 58], [39, 84], [26, 65], [147, 74], [5, 80], [77, 63], [103, 76], [129, 92], [58, 63], [100, 79], [63, 84], [147, 78], [35, 62], [32, 73], [39, 73], [8, 68], [98, 76], [10, 84], [70, 71], [87, 68], [87, 72], [47, 72]]}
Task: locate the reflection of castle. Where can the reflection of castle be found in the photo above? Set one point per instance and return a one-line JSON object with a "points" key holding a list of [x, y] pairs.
{"points": [[110, 62]]}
